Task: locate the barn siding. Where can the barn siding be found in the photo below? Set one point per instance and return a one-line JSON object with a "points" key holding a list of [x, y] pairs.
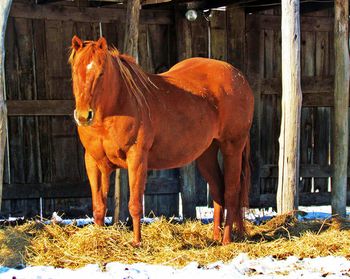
{"points": [[45, 155]]}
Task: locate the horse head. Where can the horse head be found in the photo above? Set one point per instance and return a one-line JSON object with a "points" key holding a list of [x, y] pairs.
{"points": [[88, 61]]}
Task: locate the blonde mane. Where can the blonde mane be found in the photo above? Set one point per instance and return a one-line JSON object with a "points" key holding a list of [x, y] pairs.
{"points": [[131, 73], [135, 79]]}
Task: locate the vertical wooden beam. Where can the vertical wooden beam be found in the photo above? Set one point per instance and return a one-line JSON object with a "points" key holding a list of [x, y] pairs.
{"points": [[183, 36], [132, 28], [254, 69], [5, 6], [288, 175], [131, 38], [341, 102], [121, 196], [236, 36]]}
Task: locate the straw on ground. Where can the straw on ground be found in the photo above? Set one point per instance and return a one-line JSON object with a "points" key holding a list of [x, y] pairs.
{"points": [[167, 243]]}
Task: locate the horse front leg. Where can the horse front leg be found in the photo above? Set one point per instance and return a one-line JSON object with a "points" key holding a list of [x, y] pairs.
{"points": [[137, 170], [99, 183]]}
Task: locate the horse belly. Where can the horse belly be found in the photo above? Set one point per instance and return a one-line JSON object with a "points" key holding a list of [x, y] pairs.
{"points": [[181, 143]]}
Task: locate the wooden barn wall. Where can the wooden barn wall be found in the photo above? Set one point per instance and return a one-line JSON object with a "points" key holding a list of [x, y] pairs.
{"points": [[263, 68], [45, 159], [44, 163]]}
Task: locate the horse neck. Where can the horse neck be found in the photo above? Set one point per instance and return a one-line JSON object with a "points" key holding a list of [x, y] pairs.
{"points": [[114, 99], [135, 87]]}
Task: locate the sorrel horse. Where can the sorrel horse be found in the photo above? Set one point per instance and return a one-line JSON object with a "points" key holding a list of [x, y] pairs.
{"points": [[131, 119]]}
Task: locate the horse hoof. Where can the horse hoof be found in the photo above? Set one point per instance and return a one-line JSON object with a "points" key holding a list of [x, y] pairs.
{"points": [[136, 244], [217, 237]]}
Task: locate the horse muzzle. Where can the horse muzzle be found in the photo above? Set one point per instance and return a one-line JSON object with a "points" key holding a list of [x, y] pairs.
{"points": [[84, 119]]}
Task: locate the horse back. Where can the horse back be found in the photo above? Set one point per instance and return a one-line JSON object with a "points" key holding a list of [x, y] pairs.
{"points": [[224, 86]]}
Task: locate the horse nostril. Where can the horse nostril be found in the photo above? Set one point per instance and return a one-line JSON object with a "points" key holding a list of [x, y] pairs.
{"points": [[90, 115]]}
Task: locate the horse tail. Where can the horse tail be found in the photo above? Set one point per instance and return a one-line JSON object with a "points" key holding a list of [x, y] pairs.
{"points": [[245, 176]]}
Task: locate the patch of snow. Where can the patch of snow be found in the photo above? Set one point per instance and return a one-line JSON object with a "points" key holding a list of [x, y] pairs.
{"points": [[240, 267]]}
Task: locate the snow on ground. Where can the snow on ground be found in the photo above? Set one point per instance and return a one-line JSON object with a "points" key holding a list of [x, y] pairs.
{"points": [[240, 267]]}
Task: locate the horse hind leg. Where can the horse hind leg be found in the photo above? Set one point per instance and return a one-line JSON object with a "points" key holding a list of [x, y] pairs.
{"points": [[235, 193], [209, 168]]}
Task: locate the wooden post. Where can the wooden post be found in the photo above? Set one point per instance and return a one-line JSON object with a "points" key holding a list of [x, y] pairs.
{"points": [[131, 38], [132, 28], [341, 103], [288, 175], [5, 6]]}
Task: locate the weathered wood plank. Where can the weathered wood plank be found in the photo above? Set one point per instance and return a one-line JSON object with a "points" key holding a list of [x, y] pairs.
{"points": [[40, 107], [20, 85], [121, 195], [322, 54], [268, 53], [4, 12], [254, 53], [322, 144], [184, 38], [145, 54], [152, 2], [114, 33], [309, 85], [309, 170], [162, 205], [305, 199], [162, 196], [322, 115], [287, 198], [268, 104], [105, 15], [188, 190], [219, 35], [277, 63], [159, 47], [268, 138], [308, 23], [341, 112], [306, 149], [235, 18], [43, 123], [132, 20], [46, 190], [306, 132], [199, 33]]}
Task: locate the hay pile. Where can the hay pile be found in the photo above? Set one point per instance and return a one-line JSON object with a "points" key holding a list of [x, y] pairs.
{"points": [[167, 243]]}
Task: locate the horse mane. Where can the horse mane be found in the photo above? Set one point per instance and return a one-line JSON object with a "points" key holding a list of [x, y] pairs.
{"points": [[134, 77]]}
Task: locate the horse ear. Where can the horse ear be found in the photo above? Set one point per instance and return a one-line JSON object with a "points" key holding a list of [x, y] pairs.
{"points": [[102, 43], [77, 43]]}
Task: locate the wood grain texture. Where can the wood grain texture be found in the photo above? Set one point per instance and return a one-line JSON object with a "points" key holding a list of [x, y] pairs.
{"points": [[341, 100], [4, 13], [88, 15], [287, 191]]}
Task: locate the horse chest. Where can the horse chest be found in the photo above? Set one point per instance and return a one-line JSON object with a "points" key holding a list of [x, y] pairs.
{"points": [[115, 153], [101, 145]]}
